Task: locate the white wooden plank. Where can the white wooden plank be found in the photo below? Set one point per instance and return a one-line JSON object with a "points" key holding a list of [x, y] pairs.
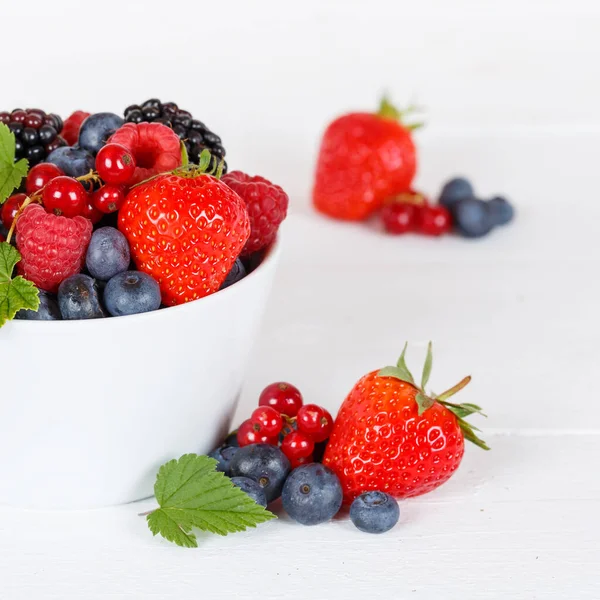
{"points": [[519, 522]]}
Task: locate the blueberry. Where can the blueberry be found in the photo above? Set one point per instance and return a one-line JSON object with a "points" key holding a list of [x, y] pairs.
{"points": [[131, 293], [265, 464], [253, 489], [223, 455], [472, 217], [75, 162], [48, 310], [501, 210], [78, 298], [108, 253], [456, 189], [237, 273], [312, 494], [374, 512], [96, 129]]}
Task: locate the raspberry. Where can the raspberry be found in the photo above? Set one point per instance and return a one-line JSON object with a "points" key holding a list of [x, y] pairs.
{"points": [[155, 148], [194, 134], [266, 204], [36, 133], [70, 131], [52, 247]]}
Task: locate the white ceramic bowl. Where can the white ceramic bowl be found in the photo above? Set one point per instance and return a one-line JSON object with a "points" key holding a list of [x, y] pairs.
{"points": [[90, 409]]}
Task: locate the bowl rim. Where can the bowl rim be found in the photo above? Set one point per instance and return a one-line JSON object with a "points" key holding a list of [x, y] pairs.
{"points": [[270, 257]]}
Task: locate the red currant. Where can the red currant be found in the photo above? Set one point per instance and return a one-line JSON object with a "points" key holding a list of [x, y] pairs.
{"points": [[434, 220], [266, 421], [40, 175], [115, 164], [91, 212], [283, 397], [247, 435], [297, 445], [108, 198], [65, 196], [399, 217], [10, 209], [315, 422]]}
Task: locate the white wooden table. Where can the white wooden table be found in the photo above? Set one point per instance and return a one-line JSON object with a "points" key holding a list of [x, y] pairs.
{"points": [[518, 310]]}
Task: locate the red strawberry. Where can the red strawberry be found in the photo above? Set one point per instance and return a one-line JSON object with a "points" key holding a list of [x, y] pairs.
{"points": [[71, 127], [391, 436], [155, 148], [364, 159], [186, 230], [52, 247], [267, 206]]}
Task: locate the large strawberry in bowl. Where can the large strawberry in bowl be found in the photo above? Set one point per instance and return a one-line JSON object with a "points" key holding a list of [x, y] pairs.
{"points": [[390, 435], [186, 229]]}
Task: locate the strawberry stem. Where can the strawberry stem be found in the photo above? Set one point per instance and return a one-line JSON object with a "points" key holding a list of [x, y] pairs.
{"points": [[454, 389], [426, 401]]}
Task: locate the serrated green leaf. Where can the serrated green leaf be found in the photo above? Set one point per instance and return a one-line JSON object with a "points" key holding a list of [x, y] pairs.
{"points": [[402, 365], [7, 145], [17, 293], [160, 522], [191, 493], [185, 159], [11, 173], [424, 402], [427, 367]]}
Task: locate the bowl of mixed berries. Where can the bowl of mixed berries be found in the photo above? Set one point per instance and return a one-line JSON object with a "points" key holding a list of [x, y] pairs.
{"points": [[134, 270]]}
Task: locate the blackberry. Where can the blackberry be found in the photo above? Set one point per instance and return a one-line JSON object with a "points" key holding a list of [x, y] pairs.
{"points": [[36, 133], [195, 135]]}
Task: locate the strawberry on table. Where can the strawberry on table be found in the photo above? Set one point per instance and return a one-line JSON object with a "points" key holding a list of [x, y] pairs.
{"points": [[364, 159], [186, 229], [390, 435]]}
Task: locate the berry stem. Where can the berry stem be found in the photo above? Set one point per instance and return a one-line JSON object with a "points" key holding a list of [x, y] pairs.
{"points": [[148, 512], [454, 389], [37, 197]]}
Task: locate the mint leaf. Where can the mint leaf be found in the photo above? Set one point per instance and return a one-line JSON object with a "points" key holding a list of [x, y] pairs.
{"points": [[11, 173], [16, 293], [192, 494]]}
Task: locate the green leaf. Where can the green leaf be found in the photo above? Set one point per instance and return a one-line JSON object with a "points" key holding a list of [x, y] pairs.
{"points": [[424, 402], [185, 159], [204, 159], [11, 173], [463, 410], [427, 367], [396, 372], [402, 365], [16, 293], [191, 493], [469, 433]]}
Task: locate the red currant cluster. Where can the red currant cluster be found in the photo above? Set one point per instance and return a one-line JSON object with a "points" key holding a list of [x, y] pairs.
{"points": [[411, 212], [68, 197], [282, 419]]}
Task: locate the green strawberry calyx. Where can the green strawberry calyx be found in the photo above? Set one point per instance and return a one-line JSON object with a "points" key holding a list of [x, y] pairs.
{"points": [[388, 111], [426, 401]]}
